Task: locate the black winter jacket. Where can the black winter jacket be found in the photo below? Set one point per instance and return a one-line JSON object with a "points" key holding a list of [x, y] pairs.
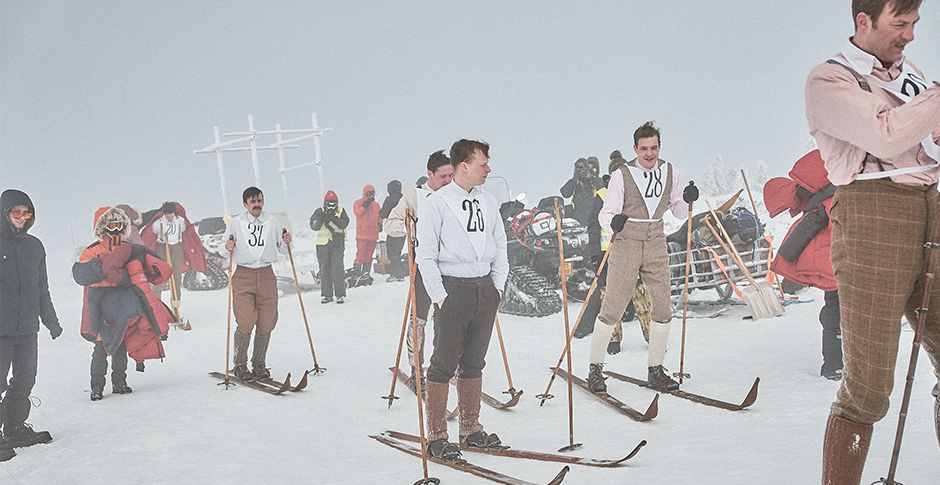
{"points": [[24, 284]]}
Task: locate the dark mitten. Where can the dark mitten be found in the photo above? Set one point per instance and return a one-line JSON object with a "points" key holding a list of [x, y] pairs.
{"points": [[366, 203], [618, 222], [690, 193], [55, 330]]}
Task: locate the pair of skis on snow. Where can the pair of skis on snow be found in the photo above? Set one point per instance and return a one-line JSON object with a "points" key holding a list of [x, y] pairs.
{"points": [[653, 409], [269, 386], [400, 441]]}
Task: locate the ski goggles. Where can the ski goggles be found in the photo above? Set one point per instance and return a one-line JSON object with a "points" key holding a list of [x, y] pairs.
{"points": [[21, 215], [115, 226]]}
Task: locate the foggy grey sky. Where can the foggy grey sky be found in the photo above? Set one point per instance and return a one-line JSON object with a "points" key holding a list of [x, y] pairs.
{"points": [[103, 103]]}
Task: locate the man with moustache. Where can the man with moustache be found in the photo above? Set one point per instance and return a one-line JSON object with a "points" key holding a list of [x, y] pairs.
{"points": [[258, 240]]}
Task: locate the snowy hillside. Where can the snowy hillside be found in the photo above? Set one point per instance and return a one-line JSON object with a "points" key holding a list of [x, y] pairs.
{"points": [[180, 426]]}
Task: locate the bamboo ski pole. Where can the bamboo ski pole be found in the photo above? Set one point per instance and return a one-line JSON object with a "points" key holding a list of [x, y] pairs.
{"points": [[316, 367], [401, 339], [933, 244], [754, 206], [416, 355], [499, 333], [563, 274], [228, 326], [685, 299], [545, 396]]}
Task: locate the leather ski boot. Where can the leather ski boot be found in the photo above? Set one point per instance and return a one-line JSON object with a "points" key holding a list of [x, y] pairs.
{"points": [[658, 379], [596, 378]]}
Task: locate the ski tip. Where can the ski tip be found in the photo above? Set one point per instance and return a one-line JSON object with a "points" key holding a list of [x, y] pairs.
{"points": [[561, 476], [653, 410]]}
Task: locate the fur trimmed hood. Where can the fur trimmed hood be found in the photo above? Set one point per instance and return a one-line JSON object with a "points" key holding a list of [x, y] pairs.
{"points": [[104, 215]]}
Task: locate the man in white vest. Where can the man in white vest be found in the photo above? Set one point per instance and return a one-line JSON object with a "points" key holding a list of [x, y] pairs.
{"points": [[461, 253], [258, 240], [638, 195]]}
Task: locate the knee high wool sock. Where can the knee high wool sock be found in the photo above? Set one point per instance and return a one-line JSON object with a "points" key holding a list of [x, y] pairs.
{"points": [[659, 336], [599, 341]]}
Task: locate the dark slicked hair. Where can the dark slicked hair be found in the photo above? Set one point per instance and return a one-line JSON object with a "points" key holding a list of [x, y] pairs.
{"points": [[168, 208], [249, 193], [874, 8], [646, 131], [463, 149], [437, 160]]}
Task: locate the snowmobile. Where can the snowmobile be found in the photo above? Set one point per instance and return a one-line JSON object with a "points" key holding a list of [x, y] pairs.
{"points": [[532, 249], [210, 233]]}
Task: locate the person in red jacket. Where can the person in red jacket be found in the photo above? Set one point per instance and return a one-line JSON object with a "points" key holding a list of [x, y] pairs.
{"points": [[120, 313], [803, 257], [368, 227]]}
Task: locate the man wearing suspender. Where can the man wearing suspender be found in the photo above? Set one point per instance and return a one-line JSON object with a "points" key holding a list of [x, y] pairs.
{"points": [[875, 119], [638, 195]]}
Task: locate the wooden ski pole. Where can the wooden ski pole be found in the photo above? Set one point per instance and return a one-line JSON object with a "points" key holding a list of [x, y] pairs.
{"points": [[417, 352], [933, 244], [174, 301], [228, 326], [499, 333], [545, 396], [563, 273], [754, 206], [401, 339], [316, 367], [685, 300]]}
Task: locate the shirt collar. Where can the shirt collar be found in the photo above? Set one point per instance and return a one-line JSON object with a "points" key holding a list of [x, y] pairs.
{"points": [[863, 62]]}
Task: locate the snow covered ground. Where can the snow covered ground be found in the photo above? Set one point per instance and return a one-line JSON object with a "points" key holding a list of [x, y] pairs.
{"points": [[180, 426]]}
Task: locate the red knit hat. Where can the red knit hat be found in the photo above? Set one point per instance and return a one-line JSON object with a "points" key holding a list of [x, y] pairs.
{"points": [[330, 195]]}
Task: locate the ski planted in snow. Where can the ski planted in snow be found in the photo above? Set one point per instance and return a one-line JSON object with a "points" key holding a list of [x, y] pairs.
{"points": [[748, 400], [403, 378], [269, 386], [465, 466], [613, 402], [496, 403], [533, 455]]}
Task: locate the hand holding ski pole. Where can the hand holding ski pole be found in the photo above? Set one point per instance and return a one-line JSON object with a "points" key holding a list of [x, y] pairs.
{"points": [[228, 325]]}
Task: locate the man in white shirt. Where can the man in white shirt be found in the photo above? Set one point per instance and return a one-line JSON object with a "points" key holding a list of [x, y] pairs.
{"points": [[258, 240], [462, 256], [169, 230], [440, 173]]}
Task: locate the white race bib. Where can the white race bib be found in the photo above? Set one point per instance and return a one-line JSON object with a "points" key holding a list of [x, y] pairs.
{"points": [[652, 186], [254, 235], [471, 212]]}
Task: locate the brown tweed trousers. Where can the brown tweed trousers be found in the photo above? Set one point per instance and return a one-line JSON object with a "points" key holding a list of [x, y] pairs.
{"points": [[878, 254]]}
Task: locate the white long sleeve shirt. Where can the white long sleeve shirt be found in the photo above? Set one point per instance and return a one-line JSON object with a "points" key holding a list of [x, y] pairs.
{"points": [[613, 204], [461, 235]]}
